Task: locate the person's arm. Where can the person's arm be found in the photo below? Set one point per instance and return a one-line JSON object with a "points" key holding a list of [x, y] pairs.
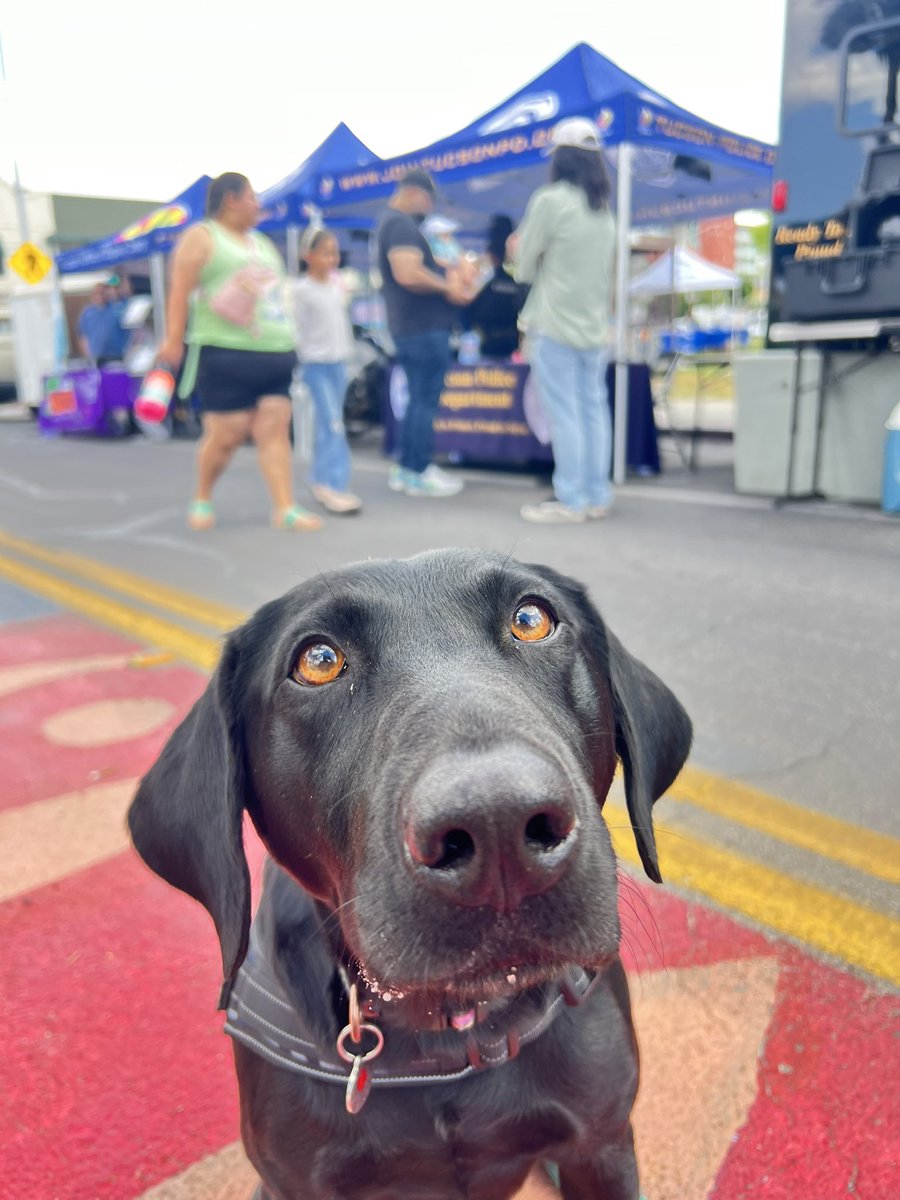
{"points": [[532, 237], [83, 344], [409, 270], [190, 256]]}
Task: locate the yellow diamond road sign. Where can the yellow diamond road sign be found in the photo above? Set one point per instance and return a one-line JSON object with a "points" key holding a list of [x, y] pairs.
{"points": [[30, 262]]}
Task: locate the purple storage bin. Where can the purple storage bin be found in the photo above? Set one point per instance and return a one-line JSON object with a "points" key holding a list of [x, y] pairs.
{"points": [[88, 400]]}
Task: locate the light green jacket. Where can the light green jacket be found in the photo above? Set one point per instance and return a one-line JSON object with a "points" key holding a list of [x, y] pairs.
{"points": [[566, 252]]}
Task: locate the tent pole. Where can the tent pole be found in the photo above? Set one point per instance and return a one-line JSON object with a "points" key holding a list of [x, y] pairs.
{"points": [[292, 251], [158, 294], [623, 224], [61, 339]]}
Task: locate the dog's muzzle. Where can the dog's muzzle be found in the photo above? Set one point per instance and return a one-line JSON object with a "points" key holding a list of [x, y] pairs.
{"points": [[490, 829]]}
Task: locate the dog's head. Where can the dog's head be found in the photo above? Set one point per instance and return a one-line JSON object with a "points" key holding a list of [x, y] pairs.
{"points": [[425, 746]]}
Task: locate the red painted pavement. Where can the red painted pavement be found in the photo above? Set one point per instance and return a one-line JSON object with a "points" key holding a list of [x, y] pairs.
{"points": [[32, 769], [115, 1075]]}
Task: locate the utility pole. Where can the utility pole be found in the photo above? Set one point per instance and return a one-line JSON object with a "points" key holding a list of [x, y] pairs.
{"points": [[18, 191], [35, 316]]}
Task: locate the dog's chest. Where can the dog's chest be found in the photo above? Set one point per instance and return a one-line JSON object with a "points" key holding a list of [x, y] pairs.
{"points": [[444, 1155]]}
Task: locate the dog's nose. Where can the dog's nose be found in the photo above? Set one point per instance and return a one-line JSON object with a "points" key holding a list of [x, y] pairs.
{"points": [[491, 829]]}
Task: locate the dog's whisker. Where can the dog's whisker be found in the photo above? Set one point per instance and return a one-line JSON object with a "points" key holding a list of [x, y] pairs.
{"points": [[631, 891], [655, 943], [320, 574], [654, 831]]}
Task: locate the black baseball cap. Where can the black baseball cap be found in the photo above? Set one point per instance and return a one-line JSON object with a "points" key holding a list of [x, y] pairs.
{"points": [[417, 178]]}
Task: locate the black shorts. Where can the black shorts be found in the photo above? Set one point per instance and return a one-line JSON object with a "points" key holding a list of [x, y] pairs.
{"points": [[232, 380]]}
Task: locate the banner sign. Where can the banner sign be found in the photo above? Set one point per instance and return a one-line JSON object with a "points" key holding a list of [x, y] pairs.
{"points": [[487, 413], [666, 127], [492, 413], [505, 150]]}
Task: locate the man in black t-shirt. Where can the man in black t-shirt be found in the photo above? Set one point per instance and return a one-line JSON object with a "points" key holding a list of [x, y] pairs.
{"points": [[419, 300]]}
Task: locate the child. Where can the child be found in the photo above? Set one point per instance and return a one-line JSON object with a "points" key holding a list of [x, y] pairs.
{"points": [[324, 343], [439, 231]]}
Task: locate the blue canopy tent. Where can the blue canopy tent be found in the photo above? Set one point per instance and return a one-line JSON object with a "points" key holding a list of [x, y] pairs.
{"points": [[151, 237], [154, 234], [286, 205], [669, 165]]}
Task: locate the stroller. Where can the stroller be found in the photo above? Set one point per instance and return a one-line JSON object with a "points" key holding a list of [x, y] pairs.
{"points": [[368, 371]]}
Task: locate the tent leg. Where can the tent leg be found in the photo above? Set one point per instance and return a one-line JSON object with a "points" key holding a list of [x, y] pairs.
{"points": [[61, 330], [158, 293], [623, 222], [292, 251]]}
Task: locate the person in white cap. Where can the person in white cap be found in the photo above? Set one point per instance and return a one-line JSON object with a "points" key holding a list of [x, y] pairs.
{"points": [[565, 249]]}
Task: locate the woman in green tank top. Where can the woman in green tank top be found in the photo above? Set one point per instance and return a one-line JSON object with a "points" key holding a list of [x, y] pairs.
{"points": [[226, 300]]}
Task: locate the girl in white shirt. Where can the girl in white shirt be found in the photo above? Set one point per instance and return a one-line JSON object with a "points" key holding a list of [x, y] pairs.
{"points": [[324, 344]]}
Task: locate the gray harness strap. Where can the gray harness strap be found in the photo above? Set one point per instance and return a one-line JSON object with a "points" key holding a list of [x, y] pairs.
{"points": [[261, 1017]]}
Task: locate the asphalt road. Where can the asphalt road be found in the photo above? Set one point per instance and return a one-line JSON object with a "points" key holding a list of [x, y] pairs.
{"points": [[776, 626]]}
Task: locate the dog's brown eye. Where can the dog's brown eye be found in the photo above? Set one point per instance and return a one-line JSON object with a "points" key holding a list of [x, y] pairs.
{"points": [[531, 623], [319, 663]]}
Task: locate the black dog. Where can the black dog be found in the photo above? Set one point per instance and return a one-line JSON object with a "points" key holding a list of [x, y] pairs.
{"points": [[432, 1000]]}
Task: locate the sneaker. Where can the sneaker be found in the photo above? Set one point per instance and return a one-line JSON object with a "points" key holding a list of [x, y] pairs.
{"points": [[597, 513], [552, 512], [341, 503], [432, 482], [397, 478]]}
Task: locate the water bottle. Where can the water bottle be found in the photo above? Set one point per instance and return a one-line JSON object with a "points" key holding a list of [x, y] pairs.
{"points": [[890, 492], [469, 349], [151, 407]]}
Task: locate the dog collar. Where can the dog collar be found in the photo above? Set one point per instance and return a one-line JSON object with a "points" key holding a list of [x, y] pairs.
{"points": [[261, 1016]]}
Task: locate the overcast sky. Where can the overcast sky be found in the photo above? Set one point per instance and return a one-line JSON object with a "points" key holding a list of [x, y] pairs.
{"points": [[108, 97]]}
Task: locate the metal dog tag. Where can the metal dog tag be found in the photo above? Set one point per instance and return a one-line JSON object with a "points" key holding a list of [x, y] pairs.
{"points": [[359, 1082], [358, 1086]]}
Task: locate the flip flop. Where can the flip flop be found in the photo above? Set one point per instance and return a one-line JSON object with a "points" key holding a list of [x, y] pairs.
{"points": [[296, 519], [201, 515]]}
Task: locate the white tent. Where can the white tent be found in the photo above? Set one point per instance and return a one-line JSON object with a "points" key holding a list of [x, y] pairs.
{"points": [[679, 271]]}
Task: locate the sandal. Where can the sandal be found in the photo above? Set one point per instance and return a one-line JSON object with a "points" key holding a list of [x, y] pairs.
{"points": [[296, 518], [201, 515], [342, 503]]}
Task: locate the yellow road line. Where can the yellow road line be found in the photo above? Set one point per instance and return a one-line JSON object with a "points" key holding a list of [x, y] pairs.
{"points": [[874, 853], [849, 931], [858, 935], [143, 627], [182, 604]]}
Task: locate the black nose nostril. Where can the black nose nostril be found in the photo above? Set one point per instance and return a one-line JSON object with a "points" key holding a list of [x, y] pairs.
{"points": [[546, 831], [457, 848], [441, 850]]}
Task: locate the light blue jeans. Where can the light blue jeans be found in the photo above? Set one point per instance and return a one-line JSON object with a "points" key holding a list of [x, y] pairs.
{"points": [[327, 383], [572, 388]]}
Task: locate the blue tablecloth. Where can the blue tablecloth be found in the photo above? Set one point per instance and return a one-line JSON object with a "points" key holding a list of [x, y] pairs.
{"points": [[641, 446], [491, 413]]}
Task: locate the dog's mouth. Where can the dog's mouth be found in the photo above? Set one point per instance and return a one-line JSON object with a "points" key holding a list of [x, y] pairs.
{"points": [[462, 1001]]}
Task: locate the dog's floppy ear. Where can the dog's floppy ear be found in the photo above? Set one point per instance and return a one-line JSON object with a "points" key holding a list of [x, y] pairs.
{"points": [[653, 737], [185, 819]]}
